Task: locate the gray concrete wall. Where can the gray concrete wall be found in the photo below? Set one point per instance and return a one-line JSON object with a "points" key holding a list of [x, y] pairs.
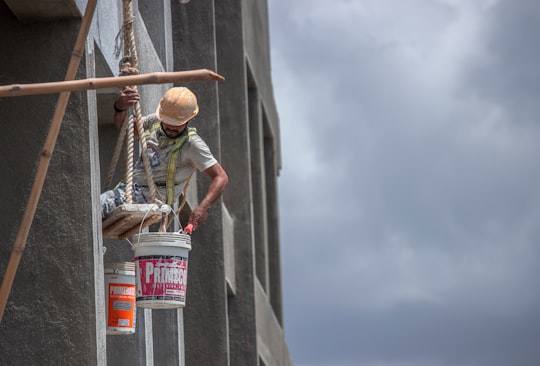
{"points": [[206, 310], [257, 48], [51, 314], [236, 160]]}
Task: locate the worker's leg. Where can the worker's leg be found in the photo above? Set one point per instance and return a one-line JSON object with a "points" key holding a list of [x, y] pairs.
{"points": [[112, 199], [117, 197]]}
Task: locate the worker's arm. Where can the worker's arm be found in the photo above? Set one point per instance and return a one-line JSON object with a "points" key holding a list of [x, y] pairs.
{"points": [[127, 98], [219, 182]]}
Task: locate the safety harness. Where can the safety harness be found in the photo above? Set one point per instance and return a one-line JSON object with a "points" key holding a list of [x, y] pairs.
{"points": [[173, 158]]}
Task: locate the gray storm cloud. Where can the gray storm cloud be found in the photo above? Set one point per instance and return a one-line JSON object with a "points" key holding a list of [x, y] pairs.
{"points": [[410, 189]]}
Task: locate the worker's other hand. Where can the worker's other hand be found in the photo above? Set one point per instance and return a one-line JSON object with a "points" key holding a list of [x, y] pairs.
{"points": [[198, 216], [127, 98]]}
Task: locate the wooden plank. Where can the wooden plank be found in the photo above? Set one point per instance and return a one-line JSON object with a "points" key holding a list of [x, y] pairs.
{"points": [[128, 219]]}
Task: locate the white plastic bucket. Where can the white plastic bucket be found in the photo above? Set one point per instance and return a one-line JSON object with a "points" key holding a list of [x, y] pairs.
{"points": [[161, 264], [120, 295]]}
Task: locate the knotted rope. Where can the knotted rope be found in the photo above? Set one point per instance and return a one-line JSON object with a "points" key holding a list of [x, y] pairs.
{"points": [[129, 66]]}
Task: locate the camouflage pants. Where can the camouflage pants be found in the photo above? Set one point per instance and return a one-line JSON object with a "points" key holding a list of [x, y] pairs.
{"points": [[117, 197]]}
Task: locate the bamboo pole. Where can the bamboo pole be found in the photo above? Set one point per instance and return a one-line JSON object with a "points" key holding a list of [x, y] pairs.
{"points": [[17, 90], [29, 212]]}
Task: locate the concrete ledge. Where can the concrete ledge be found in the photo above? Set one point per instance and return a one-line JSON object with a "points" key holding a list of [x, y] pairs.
{"points": [[271, 344], [228, 244], [29, 11]]}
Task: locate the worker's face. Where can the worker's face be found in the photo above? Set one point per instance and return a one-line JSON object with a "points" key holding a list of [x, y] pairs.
{"points": [[173, 131]]}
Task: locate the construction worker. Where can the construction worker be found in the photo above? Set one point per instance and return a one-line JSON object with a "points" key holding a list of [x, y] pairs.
{"points": [[168, 136]]}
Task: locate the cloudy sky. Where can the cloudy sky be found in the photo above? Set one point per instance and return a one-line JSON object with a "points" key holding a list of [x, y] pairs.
{"points": [[410, 187]]}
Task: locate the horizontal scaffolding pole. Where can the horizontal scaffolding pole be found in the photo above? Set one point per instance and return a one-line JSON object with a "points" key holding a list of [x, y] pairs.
{"points": [[17, 90]]}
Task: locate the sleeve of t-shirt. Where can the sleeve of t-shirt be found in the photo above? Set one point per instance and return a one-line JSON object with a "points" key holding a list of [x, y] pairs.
{"points": [[199, 154], [148, 120]]}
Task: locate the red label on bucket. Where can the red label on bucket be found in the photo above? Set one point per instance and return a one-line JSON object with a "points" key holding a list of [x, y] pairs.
{"points": [[161, 278], [121, 307]]}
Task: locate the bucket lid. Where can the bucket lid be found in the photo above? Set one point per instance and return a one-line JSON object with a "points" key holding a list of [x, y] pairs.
{"points": [[112, 267], [162, 238]]}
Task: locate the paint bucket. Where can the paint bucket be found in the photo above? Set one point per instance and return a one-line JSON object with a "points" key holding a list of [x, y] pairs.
{"points": [[120, 294], [161, 261]]}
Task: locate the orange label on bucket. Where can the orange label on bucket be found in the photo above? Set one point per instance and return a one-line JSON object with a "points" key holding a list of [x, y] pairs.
{"points": [[121, 307], [161, 278]]}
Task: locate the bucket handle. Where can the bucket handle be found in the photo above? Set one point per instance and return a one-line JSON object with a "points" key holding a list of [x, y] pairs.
{"points": [[162, 207], [189, 227], [165, 209]]}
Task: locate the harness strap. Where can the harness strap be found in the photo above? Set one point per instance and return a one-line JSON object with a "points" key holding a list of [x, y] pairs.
{"points": [[155, 126], [171, 171]]}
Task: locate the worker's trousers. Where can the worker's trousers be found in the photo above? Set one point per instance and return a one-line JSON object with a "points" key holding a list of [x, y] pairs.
{"points": [[117, 197]]}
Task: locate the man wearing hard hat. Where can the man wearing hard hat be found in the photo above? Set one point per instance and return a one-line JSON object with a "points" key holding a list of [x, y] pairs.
{"points": [[169, 139]]}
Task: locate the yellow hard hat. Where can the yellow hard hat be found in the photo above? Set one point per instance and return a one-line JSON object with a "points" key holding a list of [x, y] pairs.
{"points": [[177, 106]]}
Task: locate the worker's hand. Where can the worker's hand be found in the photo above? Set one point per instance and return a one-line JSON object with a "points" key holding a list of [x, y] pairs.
{"points": [[198, 217], [127, 98]]}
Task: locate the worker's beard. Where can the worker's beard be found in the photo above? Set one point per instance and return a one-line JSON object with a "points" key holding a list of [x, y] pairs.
{"points": [[172, 133]]}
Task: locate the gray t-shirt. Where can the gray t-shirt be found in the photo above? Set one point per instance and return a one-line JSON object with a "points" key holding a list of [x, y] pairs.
{"points": [[194, 155]]}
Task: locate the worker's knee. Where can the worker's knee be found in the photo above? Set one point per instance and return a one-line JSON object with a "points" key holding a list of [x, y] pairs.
{"points": [[112, 199], [116, 197]]}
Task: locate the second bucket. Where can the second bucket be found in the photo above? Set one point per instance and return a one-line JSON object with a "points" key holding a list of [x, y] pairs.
{"points": [[161, 265], [120, 294]]}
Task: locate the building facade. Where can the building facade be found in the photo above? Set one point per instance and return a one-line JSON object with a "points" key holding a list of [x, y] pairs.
{"points": [[55, 313]]}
